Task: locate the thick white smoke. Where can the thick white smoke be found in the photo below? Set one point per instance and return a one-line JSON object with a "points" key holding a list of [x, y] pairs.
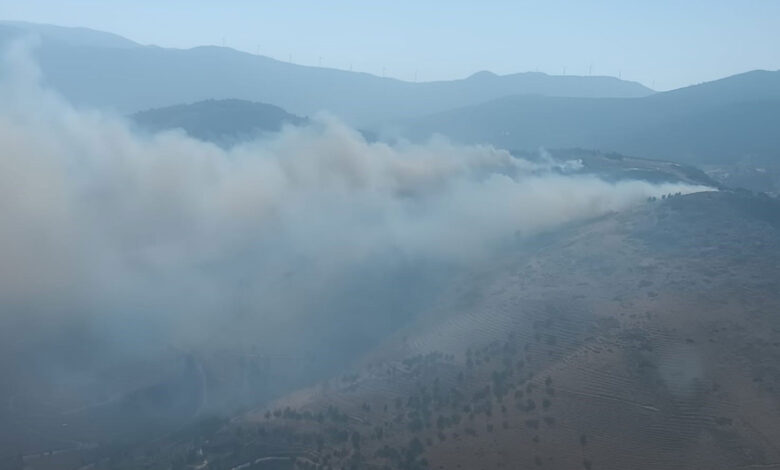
{"points": [[97, 222]]}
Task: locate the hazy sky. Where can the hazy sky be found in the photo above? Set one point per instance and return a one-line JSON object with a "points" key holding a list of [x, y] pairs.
{"points": [[663, 44]]}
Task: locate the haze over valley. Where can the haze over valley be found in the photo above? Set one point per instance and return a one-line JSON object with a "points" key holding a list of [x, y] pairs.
{"points": [[211, 259]]}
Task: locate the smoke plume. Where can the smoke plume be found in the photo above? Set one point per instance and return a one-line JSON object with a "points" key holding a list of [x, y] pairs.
{"points": [[135, 241]]}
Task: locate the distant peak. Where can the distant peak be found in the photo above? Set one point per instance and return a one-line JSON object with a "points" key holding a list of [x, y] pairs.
{"points": [[482, 75]]}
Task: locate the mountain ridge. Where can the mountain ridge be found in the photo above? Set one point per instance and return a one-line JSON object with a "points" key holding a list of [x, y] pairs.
{"points": [[131, 79], [710, 123]]}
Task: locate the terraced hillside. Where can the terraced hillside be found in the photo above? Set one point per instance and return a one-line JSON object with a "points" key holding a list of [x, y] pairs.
{"points": [[646, 339]]}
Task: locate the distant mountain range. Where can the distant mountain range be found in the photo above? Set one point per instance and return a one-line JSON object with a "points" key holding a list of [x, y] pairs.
{"points": [[104, 70], [224, 122], [723, 122], [716, 122]]}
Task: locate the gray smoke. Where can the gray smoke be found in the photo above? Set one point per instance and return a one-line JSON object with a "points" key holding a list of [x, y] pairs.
{"points": [[152, 240]]}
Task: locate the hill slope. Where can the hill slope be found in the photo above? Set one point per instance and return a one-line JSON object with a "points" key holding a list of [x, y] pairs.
{"points": [[65, 35], [645, 339], [130, 79]]}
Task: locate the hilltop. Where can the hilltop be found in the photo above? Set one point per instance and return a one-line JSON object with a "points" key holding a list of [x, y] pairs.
{"points": [[224, 122]]}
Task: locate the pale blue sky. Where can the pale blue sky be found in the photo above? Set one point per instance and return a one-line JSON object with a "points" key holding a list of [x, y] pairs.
{"points": [[663, 44]]}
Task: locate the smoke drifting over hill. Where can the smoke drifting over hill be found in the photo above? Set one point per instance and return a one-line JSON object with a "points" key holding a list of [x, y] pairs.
{"points": [[142, 241]]}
